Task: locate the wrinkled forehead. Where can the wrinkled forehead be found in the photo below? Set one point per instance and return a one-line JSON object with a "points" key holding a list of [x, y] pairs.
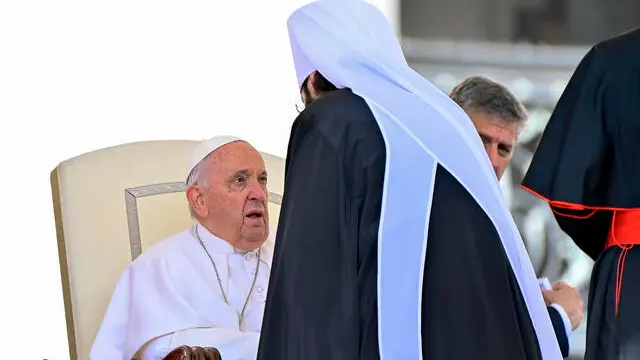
{"points": [[494, 128], [236, 157]]}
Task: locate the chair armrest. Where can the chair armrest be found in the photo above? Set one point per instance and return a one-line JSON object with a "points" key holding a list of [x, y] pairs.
{"points": [[193, 353]]}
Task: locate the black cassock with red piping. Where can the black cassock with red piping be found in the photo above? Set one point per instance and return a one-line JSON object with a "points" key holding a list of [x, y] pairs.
{"points": [[587, 166]]}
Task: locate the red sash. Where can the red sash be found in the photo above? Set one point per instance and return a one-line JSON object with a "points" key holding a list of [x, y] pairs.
{"points": [[624, 233]]}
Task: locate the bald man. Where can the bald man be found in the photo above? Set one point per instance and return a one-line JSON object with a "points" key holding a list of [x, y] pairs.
{"points": [[205, 286]]}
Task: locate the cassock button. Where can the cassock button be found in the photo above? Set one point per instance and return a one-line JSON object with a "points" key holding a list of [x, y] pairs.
{"points": [[252, 271], [260, 289]]}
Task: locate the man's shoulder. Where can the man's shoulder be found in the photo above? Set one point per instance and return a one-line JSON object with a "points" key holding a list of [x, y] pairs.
{"points": [[171, 247], [622, 45], [343, 96], [344, 118], [343, 107]]}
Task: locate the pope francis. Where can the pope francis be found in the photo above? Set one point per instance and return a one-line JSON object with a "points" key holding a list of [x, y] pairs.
{"points": [[207, 285]]}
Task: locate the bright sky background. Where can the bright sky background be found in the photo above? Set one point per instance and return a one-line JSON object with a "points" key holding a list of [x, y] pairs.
{"points": [[76, 76]]}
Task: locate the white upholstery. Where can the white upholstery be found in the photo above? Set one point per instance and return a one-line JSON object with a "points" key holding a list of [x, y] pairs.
{"points": [[113, 203]]}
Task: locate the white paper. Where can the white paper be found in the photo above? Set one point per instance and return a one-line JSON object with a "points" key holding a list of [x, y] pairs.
{"points": [[544, 283]]}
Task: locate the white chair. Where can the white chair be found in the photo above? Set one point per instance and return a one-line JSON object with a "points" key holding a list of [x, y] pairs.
{"points": [[112, 204]]}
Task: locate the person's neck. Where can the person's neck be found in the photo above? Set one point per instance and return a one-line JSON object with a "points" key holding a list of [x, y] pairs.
{"points": [[245, 248], [239, 245]]}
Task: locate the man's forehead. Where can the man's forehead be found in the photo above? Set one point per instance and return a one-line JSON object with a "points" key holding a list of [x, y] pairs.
{"points": [[493, 124], [236, 157]]}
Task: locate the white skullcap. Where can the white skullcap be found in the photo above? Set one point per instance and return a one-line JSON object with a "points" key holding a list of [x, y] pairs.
{"points": [[206, 147]]}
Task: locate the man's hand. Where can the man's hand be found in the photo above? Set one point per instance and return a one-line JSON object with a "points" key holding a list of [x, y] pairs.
{"points": [[569, 299], [193, 353]]}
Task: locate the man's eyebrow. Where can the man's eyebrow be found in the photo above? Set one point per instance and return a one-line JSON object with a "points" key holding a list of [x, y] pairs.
{"points": [[489, 138], [247, 172], [244, 172], [484, 136]]}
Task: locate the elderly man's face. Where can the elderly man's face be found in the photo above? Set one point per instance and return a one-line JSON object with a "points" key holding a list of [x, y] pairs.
{"points": [[499, 138], [236, 196]]}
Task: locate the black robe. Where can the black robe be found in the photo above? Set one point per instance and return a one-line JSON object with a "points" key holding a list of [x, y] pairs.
{"points": [[589, 155], [322, 298]]}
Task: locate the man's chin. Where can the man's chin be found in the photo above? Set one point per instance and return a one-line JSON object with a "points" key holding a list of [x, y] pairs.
{"points": [[255, 237]]}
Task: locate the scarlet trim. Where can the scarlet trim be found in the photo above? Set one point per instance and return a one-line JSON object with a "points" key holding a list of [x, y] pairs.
{"points": [[573, 206], [624, 231]]}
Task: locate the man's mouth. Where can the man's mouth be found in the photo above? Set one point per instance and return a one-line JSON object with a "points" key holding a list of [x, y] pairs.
{"points": [[255, 214]]}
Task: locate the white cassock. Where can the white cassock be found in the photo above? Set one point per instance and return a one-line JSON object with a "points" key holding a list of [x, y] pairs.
{"points": [[170, 296]]}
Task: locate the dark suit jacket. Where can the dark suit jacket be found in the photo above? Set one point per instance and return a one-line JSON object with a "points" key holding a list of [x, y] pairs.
{"points": [[561, 332]]}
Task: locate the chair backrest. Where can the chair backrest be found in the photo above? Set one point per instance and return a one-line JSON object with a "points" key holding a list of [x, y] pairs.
{"points": [[109, 206]]}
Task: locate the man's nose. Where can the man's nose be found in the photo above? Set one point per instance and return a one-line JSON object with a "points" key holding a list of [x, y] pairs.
{"points": [[492, 151], [257, 191]]}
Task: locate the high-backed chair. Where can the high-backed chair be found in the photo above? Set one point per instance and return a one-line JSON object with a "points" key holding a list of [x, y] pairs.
{"points": [[112, 204]]}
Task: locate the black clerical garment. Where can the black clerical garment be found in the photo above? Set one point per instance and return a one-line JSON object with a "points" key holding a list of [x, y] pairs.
{"points": [[560, 331], [587, 166], [322, 298]]}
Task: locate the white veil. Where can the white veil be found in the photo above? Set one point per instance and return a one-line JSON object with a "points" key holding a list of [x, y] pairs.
{"points": [[352, 44]]}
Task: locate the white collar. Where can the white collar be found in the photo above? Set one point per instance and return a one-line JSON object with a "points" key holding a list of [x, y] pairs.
{"points": [[214, 244]]}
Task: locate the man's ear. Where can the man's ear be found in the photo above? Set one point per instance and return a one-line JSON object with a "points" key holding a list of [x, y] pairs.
{"points": [[311, 83], [307, 92], [197, 201]]}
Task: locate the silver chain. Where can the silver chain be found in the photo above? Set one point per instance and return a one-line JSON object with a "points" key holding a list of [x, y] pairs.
{"points": [[215, 268]]}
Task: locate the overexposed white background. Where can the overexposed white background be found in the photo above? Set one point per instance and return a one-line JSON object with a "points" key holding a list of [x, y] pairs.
{"points": [[76, 76]]}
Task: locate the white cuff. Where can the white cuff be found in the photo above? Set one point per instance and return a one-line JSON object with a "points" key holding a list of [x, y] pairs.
{"points": [[565, 320]]}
